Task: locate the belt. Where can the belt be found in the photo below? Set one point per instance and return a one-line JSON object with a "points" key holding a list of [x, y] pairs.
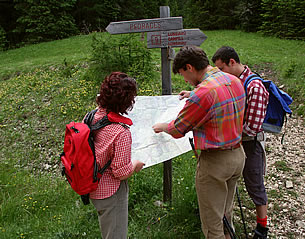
{"points": [[236, 146], [259, 137]]}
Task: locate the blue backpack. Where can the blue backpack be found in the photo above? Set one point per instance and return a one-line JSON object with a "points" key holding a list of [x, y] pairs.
{"points": [[278, 105]]}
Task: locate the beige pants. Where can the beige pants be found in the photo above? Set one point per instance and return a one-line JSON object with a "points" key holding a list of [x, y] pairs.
{"points": [[216, 177], [113, 213]]}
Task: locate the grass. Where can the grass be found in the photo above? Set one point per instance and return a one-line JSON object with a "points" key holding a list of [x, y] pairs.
{"points": [[73, 50], [39, 94]]}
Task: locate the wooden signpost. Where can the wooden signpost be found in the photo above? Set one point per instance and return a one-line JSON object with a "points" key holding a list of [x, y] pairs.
{"points": [[166, 90], [177, 38], [164, 32], [146, 25]]}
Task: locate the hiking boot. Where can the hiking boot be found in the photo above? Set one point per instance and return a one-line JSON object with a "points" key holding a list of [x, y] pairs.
{"points": [[260, 232]]}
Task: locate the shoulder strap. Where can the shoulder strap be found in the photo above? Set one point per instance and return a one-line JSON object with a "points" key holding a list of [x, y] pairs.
{"points": [[250, 78], [102, 170], [101, 123], [89, 117]]}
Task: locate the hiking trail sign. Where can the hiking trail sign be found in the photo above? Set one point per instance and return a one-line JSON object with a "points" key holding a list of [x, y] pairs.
{"points": [[176, 38], [146, 25]]}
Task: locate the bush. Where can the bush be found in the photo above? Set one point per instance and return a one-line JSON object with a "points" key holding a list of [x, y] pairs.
{"points": [[125, 53]]}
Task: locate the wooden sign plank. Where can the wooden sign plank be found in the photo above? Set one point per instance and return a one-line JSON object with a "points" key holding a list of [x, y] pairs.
{"points": [[145, 25], [177, 38]]}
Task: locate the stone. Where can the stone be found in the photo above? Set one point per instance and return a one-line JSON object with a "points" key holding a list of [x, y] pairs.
{"points": [[289, 184]]}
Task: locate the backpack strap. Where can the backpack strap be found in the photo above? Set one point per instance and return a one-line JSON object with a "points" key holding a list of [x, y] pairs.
{"points": [[254, 76], [108, 119], [250, 78], [101, 123], [98, 125], [89, 117]]}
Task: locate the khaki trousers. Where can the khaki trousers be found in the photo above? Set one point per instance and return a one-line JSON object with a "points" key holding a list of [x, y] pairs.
{"points": [[113, 213], [216, 178]]}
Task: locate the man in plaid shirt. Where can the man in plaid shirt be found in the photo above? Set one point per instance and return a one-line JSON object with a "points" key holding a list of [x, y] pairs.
{"points": [[227, 60], [214, 112]]}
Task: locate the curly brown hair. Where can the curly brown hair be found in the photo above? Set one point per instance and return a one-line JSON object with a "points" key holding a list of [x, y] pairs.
{"points": [[117, 93]]}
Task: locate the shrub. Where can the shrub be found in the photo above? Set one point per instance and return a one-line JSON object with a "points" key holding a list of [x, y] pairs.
{"points": [[125, 53]]}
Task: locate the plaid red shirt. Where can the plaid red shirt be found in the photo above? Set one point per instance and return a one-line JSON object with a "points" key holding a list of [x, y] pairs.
{"points": [[257, 101], [214, 112], [111, 142]]}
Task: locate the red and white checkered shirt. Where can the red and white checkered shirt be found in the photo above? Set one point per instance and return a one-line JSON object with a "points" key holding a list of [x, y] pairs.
{"points": [[257, 101], [111, 142]]}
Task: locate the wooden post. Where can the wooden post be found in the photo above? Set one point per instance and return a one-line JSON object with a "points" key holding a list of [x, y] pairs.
{"points": [[166, 90]]}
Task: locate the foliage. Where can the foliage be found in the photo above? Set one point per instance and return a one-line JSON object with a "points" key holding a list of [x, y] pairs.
{"points": [[126, 53], [45, 20], [3, 41], [284, 19], [248, 13], [95, 15], [139, 9], [8, 19], [209, 14]]}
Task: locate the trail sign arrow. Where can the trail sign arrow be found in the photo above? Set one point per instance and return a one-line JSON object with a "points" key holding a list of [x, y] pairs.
{"points": [[146, 25], [177, 38]]}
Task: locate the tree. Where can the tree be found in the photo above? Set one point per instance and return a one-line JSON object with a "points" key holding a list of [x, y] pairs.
{"points": [[284, 18], [249, 12], [211, 15], [3, 41], [139, 9], [8, 18], [95, 15], [45, 20]]}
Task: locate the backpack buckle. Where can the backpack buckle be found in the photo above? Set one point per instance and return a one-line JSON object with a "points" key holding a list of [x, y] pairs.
{"points": [[75, 129]]}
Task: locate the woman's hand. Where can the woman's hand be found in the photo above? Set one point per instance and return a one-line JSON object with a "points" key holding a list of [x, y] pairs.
{"points": [[138, 165]]}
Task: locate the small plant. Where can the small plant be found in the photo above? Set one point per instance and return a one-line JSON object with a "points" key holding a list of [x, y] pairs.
{"points": [[290, 68], [125, 53], [282, 165]]}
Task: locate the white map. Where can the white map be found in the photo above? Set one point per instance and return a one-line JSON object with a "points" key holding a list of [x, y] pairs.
{"points": [[147, 146]]}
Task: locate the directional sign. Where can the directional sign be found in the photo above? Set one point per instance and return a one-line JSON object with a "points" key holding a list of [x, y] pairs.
{"points": [[146, 25], [176, 38]]}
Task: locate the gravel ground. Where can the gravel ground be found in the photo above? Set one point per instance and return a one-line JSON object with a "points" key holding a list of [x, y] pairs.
{"points": [[285, 180]]}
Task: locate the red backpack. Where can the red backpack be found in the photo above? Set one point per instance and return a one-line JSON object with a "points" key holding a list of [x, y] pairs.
{"points": [[78, 158]]}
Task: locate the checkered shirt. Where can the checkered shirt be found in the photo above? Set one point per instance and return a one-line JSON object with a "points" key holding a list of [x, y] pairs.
{"points": [[214, 112], [111, 142], [257, 101]]}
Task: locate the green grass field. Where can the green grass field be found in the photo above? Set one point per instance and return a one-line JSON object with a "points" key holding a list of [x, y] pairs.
{"points": [[39, 94]]}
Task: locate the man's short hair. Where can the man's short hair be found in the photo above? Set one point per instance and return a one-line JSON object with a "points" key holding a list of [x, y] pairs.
{"points": [[192, 55], [225, 53]]}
